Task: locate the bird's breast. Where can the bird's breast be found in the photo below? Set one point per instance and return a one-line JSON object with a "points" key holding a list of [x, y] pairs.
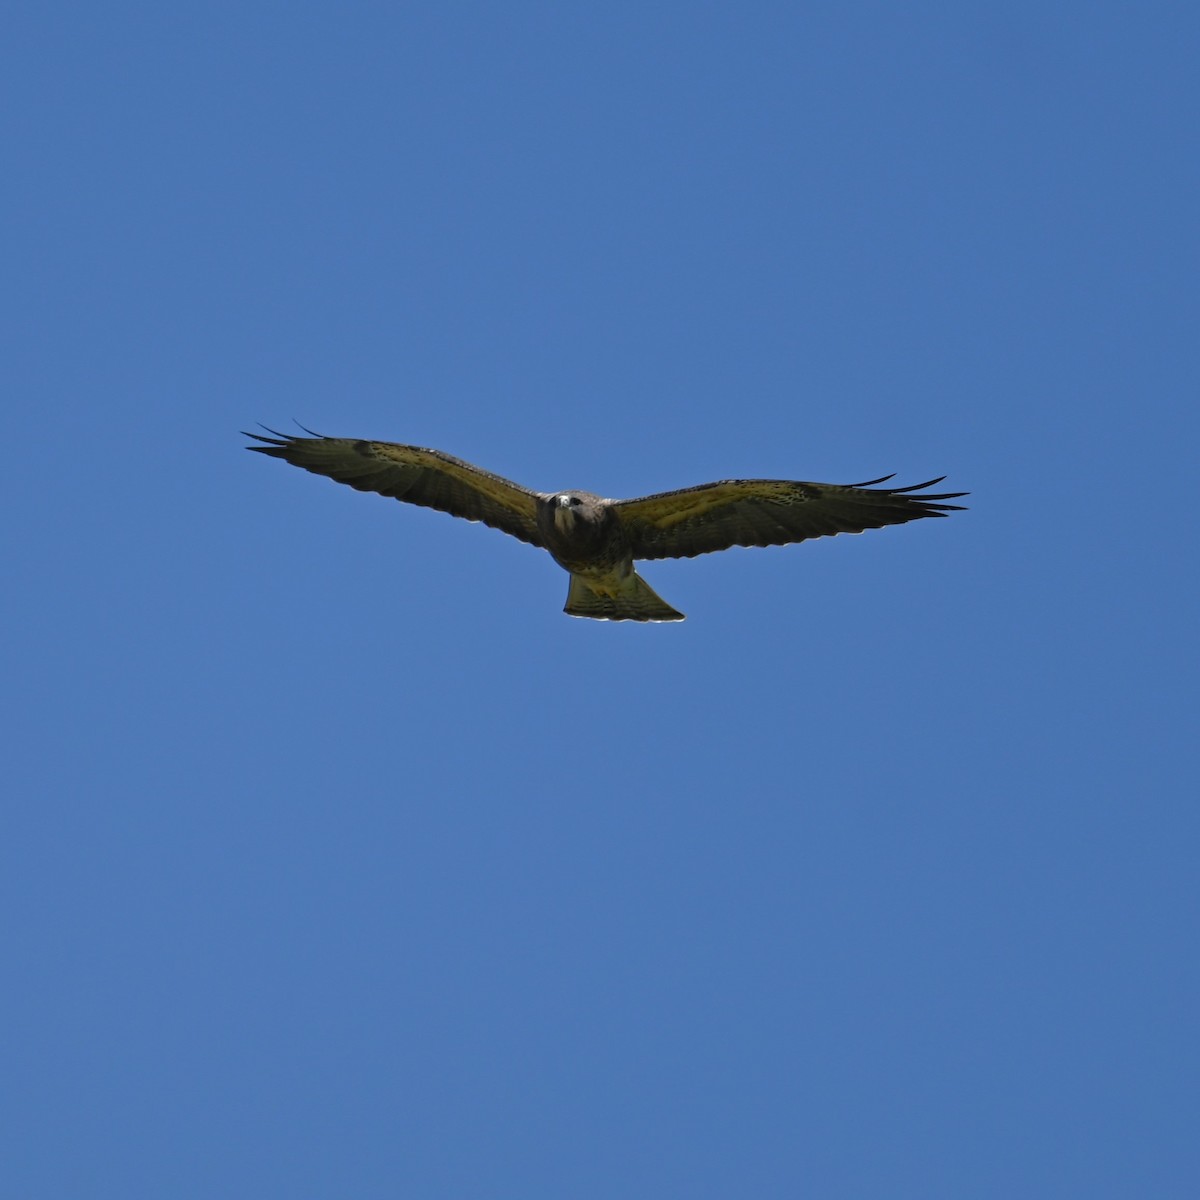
{"points": [[582, 538]]}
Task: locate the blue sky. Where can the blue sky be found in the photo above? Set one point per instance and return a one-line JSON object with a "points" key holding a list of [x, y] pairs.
{"points": [[337, 861]]}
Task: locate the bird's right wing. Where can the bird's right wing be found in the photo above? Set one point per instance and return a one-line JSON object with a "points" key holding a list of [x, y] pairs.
{"points": [[768, 512], [426, 477]]}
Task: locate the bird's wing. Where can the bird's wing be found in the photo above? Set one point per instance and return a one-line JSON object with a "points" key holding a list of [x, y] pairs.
{"points": [[426, 477], [768, 512]]}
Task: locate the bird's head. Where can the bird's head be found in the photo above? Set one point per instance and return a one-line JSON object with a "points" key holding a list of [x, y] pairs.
{"points": [[567, 507]]}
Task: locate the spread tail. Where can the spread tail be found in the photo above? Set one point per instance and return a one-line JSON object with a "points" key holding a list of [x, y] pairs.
{"points": [[636, 601]]}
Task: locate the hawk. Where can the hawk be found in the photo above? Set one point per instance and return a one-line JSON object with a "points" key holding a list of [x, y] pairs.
{"points": [[596, 540]]}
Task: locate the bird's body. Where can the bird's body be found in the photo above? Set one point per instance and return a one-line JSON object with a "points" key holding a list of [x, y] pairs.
{"points": [[585, 537], [597, 540]]}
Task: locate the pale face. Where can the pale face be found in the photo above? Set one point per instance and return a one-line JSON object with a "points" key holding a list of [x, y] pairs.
{"points": [[566, 509]]}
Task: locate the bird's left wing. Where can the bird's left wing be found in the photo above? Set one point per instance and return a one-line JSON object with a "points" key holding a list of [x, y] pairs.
{"points": [[427, 477], [768, 512]]}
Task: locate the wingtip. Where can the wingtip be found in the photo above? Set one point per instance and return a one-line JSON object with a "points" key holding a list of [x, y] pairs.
{"points": [[269, 443], [927, 499], [279, 438]]}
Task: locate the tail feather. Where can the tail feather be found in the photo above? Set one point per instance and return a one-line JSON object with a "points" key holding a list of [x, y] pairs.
{"points": [[637, 601]]}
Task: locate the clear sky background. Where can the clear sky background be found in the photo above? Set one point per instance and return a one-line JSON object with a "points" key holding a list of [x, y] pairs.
{"points": [[338, 862]]}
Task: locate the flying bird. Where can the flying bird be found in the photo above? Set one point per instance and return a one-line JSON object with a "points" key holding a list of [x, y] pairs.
{"points": [[596, 540]]}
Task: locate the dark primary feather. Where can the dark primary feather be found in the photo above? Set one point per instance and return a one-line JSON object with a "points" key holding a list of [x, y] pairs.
{"points": [[768, 512], [413, 474]]}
